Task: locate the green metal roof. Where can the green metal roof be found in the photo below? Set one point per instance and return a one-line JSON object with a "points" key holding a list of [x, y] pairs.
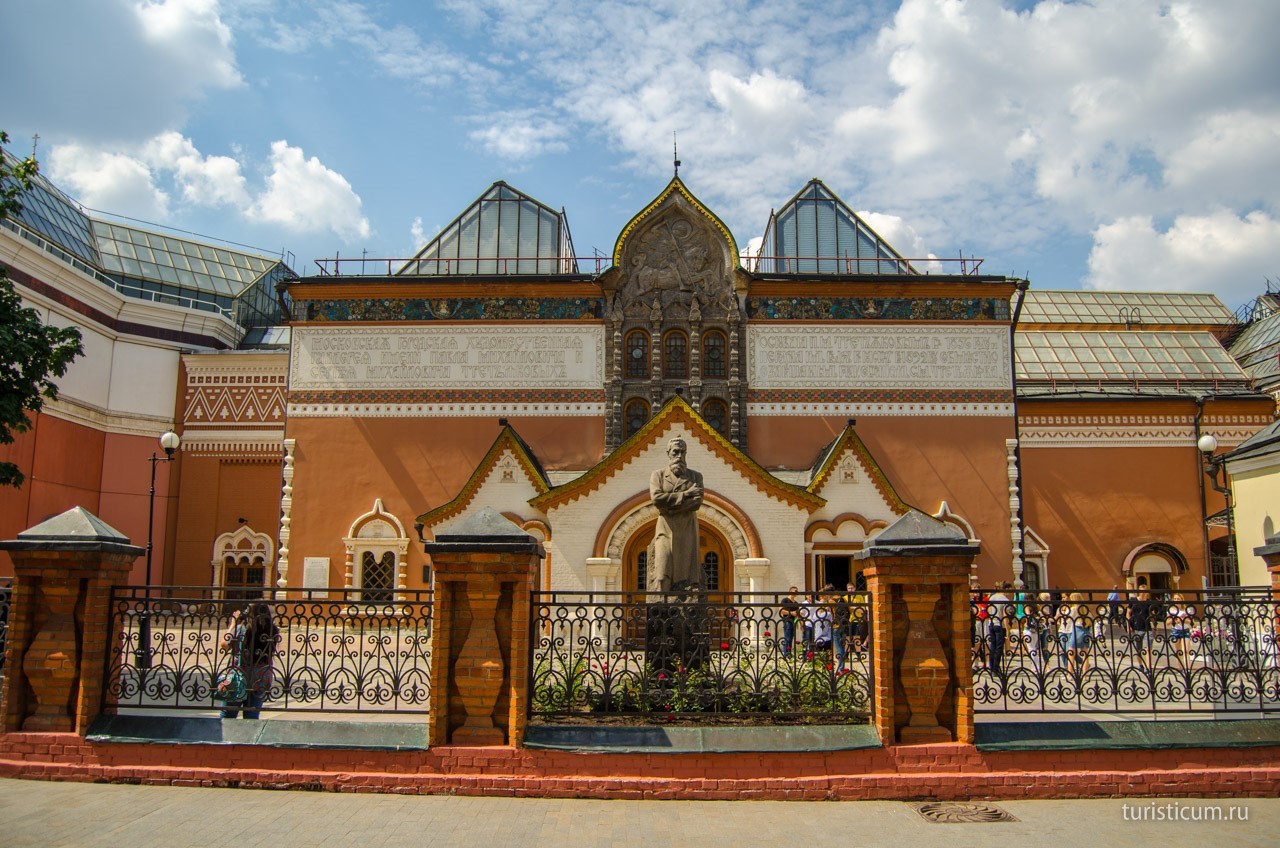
{"points": [[1129, 308]]}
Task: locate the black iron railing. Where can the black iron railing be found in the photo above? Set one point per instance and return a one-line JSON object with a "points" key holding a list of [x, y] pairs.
{"points": [[1209, 651], [6, 599], [699, 657], [334, 652]]}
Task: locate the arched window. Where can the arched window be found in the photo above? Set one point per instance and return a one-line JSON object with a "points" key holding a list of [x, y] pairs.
{"points": [[713, 354], [675, 355], [634, 416], [377, 576], [716, 414], [637, 354], [711, 571], [376, 550], [241, 561]]}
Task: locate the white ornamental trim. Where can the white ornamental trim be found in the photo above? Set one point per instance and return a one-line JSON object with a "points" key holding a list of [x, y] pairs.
{"points": [[105, 420], [973, 410], [1125, 437], [441, 410]]}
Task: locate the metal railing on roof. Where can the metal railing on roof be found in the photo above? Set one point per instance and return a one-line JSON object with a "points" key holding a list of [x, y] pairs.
{"points": [[467, 266], [850, 265]]}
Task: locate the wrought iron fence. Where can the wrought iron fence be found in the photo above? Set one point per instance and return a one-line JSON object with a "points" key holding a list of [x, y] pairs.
{"points": [[700, 658], [1211, 651], [6, 598], [333, 652]]}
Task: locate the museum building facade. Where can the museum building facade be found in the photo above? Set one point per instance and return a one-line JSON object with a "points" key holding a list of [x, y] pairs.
{"points": [[824, 385]]}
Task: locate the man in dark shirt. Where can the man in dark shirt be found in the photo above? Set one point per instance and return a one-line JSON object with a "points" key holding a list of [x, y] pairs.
{"points": [[789, 613], [1142, 617]]}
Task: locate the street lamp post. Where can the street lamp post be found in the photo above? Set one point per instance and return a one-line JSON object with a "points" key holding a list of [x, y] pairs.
{"points": [[169, 442], [1207, 445]]}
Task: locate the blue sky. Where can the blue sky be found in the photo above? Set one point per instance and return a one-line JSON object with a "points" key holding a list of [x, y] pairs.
{"points": [[1124, 145]]}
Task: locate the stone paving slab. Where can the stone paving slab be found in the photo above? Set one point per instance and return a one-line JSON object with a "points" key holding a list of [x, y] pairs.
{"points": [[184, 730], [37, 813]]}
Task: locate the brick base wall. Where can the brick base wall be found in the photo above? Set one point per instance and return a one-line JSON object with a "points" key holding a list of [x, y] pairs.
{"points": [[941, 771]]}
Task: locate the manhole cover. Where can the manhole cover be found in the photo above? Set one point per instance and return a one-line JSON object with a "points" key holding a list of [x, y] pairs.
{"points": [[957, 812]]}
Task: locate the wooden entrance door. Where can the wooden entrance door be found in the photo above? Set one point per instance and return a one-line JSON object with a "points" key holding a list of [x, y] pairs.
{"points": [[713, 551]]}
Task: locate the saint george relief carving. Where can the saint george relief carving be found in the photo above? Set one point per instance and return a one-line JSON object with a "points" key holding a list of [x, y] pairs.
{"points": [[675, 320]]}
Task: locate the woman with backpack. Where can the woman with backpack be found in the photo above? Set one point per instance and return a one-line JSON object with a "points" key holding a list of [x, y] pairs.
{"points": [[251, 640]]}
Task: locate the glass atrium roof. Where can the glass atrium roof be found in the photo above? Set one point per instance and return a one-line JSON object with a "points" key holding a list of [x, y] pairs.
{"points": [[816, 233], [49, 212], [503, 232], [1124, 357], [1258, 349], [1131, 308], [163, 258]]}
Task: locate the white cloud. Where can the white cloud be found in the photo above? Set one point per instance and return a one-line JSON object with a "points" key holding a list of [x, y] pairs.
{"points": [[205, 181], [299, 194], [112, 182], [303, 195], [114, 70], [1221, 252], [417, 236], [521, 135]]}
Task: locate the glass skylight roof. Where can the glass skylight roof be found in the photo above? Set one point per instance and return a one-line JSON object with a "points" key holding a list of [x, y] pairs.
{"points": [[1131, 308], [1124, 357], [816, 233], [58, 218], [503, 232], [188, 273]]}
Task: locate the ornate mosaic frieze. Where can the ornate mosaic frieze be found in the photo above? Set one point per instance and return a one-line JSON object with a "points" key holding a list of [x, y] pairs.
{"points": [[420, 396], [881, 308], [455, 309]]}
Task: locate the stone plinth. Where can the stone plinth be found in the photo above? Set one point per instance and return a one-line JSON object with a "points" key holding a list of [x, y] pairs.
{"points": [[64, 569], [485, 569], [918, 579]]}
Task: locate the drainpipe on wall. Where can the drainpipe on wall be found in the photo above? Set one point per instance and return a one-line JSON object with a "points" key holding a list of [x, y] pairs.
{"points": [[1204, 507], [1019, 528]]}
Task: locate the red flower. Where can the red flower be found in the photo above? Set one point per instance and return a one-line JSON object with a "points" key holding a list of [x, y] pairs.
{"points": [[828, 666], [724, 646], [662, 675], [809, 655], [767, 634]]}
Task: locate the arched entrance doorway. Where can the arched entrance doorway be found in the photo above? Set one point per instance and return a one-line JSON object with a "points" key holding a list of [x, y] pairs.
{"points": [[713, 551]]}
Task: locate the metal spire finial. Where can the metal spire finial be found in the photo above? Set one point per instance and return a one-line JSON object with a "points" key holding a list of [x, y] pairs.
{"points": [[675, 153]]}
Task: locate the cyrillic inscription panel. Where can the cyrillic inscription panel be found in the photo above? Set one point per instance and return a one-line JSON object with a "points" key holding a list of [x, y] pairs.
{"points": [[862, 356], [498, 357]]}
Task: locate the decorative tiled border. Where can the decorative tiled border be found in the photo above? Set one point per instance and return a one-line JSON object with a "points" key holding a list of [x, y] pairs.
{"points": [[444, 410], [455, 309], [1120, 431], [883, 410], [877, 308], [881, 396]]}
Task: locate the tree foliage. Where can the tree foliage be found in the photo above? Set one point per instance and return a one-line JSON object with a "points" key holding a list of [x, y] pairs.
{"points": [[32, 353]]}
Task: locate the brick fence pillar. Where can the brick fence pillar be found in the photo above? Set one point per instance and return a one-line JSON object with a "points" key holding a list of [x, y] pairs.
{"points": [[485, 569], [55, 660], [918, 578]]}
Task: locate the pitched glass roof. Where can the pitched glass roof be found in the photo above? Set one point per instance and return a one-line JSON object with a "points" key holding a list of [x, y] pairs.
{"points": [[816, 233], [1258, 349], [1130, 308], [172, 269], [503, 232], [56, 217], [1124, 357]]}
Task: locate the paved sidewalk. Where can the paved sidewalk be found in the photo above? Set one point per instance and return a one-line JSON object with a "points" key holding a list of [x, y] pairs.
{"points": [[39, 813]]}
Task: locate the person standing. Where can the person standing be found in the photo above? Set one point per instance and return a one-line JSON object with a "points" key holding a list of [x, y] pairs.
{"points": [[251, 640], [789, 613], [997, 633], [1142, 611]]}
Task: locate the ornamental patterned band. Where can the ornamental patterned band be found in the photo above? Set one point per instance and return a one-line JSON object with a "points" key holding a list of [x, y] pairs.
{"points": [[877, 308], [456, 309]]}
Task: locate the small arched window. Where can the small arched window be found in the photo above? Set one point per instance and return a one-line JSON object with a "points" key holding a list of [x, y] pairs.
{"points": [[716, 413], [637, 354], [675, 355], [377, 576], [713, 354], [711, 571], [634, 416]]}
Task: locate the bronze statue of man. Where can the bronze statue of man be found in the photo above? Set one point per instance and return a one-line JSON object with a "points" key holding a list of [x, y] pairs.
{"points": [[677, 493]]}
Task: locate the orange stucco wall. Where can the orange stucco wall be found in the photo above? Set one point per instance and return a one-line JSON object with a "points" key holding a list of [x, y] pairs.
{"points": [[928, 460], [215, 494], [68, 464], [413, 464]]}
